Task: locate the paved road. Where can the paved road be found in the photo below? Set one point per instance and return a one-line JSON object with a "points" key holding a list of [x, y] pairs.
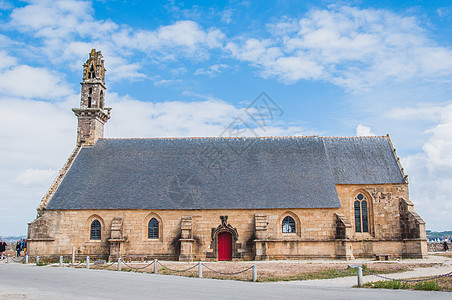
{"points": [[31, 282]]}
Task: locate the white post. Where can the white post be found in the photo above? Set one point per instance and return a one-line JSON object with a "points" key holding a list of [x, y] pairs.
{"points": [[87, 262], [37, 260], [155, 266], [61, 261], [199, 270], [26, 259], [73, 255], [8, 259], [360, 276], [254, 273], [119, 263]]}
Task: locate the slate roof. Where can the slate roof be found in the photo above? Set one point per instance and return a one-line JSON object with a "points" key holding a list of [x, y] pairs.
{"points": [[223, 173], [362, 160]]}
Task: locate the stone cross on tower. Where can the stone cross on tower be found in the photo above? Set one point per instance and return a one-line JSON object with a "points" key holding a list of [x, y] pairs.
{"points": [[92, 114]]}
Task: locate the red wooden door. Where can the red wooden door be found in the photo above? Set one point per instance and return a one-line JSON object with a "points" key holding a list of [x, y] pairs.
{"points": [[224, 246]]}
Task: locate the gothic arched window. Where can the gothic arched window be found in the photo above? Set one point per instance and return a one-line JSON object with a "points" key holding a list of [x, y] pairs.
{"points": [[361, 213], [95, 233], [288, 225], [153, 229]]}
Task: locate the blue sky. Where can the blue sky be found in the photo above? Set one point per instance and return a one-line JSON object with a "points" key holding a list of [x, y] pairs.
{"points": [[336, 68]]}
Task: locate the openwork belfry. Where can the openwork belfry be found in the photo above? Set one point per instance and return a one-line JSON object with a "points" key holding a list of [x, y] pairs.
{"points": [[223, 198]]}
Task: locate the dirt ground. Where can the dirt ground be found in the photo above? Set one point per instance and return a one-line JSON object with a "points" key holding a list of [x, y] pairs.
{"points": [[289, 269]]}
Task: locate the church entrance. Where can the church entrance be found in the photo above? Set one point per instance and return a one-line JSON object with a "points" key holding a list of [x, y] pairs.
{"points": [[224, 246]]}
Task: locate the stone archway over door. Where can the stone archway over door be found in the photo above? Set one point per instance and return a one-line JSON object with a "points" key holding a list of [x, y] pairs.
{"points": [[224, 246]]}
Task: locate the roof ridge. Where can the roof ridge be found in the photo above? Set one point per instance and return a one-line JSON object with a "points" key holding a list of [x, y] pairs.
{"points": [[247, 137]]}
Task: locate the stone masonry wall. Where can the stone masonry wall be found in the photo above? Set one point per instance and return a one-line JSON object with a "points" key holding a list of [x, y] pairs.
{"points": [[384, 215], [315, 235]]}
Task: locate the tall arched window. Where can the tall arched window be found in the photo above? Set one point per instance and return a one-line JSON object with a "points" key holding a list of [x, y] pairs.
{"points": [[288, 225], [153, 229], [95, 233], [361, 213]]}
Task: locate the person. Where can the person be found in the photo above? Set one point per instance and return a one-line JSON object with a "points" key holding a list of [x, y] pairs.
{"points": [[18, 248], [445, 246], [25, 247], [2, 248]]}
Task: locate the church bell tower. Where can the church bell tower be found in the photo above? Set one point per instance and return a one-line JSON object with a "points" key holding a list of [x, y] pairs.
{"points": [[92, 114]]}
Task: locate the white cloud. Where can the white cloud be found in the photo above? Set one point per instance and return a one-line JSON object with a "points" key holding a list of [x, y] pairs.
{"points": [[37, 138], [68, 30], [167, 82], [173, 118], [30, 82], [439, 147], [207, 117], [181, 38], [350, 47], [422, 112], [226, 16], [6, 61], [212, 70], [5, 41], [430, 174], [362, 130], [58, 19]]}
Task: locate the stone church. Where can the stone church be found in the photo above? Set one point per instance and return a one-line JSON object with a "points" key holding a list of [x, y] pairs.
{"points": [[223, 198]]}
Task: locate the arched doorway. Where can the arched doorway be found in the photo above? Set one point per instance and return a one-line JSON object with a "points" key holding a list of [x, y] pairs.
{"points": [[224, 246]]}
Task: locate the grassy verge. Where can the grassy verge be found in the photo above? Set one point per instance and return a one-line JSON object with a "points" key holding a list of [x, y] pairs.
{"points": [[328, 274], [439, 284], [270, 273], [269, 276]]}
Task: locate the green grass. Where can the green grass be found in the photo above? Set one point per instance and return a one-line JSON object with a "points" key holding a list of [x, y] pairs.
{"points": [[427, 286], [396, 285]]}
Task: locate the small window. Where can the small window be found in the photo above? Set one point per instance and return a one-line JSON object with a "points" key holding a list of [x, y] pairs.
{"points": [[361, 214], [288, 225], [153, 229], [95, 230], [86, 128], [101, 100], [90, 91]]}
